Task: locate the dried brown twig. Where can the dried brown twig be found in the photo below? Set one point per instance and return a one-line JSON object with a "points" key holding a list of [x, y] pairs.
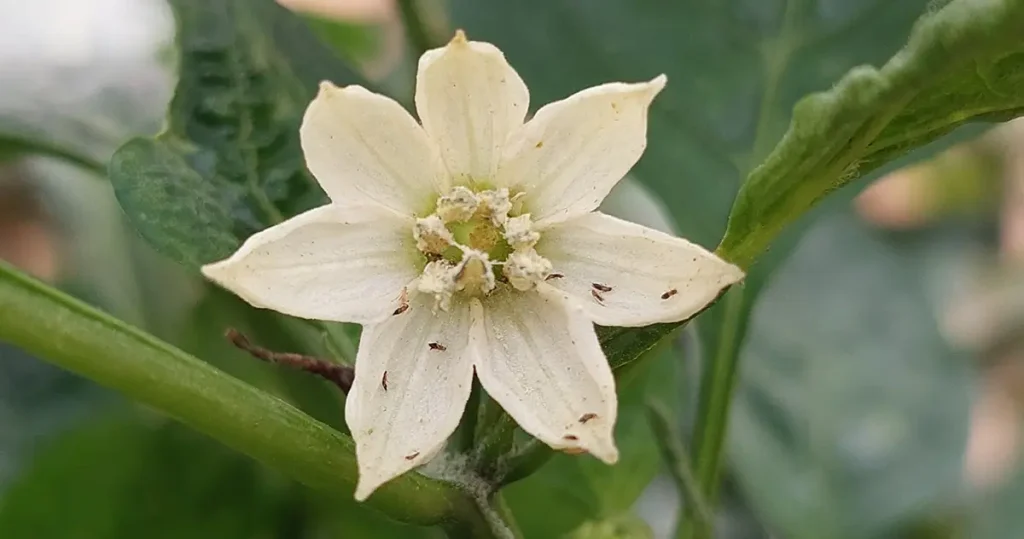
{"points": [[339, 375]]}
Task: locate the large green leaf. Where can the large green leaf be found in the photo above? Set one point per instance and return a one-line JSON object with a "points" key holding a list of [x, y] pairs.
{"points": [[852, 412], [125, 479], [963, 63], [228, 163], [735, 68]]}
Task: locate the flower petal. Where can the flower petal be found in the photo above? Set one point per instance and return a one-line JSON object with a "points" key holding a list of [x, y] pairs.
{"points": [[470, 100], [364, 147], [624, 274], [414, 373], [540, 359], [347, 264], [572, 152]]}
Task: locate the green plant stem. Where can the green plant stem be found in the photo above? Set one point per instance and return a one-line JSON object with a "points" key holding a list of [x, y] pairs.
{"points": [[716, 388], [72, 335], [416, 30], [498, 516], [47, 149], [673, 452]]}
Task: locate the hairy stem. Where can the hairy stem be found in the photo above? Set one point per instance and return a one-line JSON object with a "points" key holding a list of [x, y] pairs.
{"points": [[77, 337]]}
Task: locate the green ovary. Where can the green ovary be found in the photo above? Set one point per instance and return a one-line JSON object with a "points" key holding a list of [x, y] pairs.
{"points": [[478, 234]]}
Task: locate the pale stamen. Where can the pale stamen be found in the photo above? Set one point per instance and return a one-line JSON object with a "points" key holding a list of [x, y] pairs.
{"points": [[474, 234]]}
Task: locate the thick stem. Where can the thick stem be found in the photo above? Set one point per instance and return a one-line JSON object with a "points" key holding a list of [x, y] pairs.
{"points": [[497, 522], [70, 334]]}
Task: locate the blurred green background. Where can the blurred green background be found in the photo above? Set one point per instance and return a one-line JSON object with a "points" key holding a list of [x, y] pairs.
{"points": [[882, 379]]}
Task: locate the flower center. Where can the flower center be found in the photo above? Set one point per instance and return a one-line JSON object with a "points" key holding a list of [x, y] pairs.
{"points": [[482, 236], [468, 237]]}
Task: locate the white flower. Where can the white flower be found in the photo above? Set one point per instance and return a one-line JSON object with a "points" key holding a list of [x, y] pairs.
{"points": [[471, 244]]}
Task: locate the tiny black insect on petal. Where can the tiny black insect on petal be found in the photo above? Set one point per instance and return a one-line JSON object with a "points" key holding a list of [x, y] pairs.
{"points": [[384, 381], [437, 346], [669, 294], [598, 297], [554, 276], [587, 417], [601, 287]]}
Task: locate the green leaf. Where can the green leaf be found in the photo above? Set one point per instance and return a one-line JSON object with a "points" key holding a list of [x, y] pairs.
{"points": [[228, 163], [625, 526], [585, 489], [852, 412], [347, 519], [962, 63], [125, 479], [735, 68]]}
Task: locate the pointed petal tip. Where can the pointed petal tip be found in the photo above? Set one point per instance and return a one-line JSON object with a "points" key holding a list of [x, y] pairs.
{"points": [[602, 449], [731, 273], [605, 450], [736, 273], [371, 478], [215, 271], [459, 38], [654, 86], [326, 88], [364, 488], [329, 89]]}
